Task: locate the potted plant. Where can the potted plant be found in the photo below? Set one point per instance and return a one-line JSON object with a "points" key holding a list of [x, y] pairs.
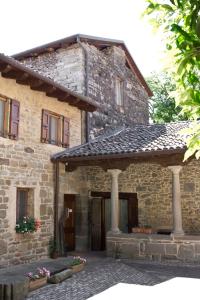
{"points": [[77, 264], [143, 229], [27, 225], [53, 249], [38, 279]]}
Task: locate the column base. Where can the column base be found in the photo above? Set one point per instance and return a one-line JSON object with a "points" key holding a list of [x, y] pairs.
{"points": [[177, 233]]}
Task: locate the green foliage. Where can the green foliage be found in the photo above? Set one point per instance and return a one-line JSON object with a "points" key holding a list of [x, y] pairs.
{"points": [[77, 260], [53, 246], [26, 225], [180, 22], [162, 105]]}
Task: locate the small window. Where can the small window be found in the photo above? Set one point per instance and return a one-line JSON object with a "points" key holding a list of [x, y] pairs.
{"points": [[24, 205], [119, 91], [55, 129]]}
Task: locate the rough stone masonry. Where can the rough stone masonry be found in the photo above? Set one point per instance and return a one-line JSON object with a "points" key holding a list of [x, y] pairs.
{"points": [[67, 66]]}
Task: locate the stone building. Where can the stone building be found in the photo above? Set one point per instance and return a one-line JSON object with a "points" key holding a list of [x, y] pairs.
{"points": [[27, 102], [101, 69], [128, 174]]}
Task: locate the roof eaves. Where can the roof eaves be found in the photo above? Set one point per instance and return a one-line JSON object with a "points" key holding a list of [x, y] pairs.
{"points": [[92, 105]]}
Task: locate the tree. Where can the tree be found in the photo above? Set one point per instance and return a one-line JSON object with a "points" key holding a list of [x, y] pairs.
{"points": [[162, 105], [179, 20]]}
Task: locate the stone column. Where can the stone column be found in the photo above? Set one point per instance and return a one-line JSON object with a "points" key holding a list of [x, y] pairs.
{"points": [[176, 201], [114, 200]]}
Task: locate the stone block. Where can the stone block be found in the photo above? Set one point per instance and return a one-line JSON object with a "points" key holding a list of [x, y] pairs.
{"points": [[28, 150], [2, 214], [59, 277], [155, 248], [43, 209], [171, 249], [197, 248], [189, 187], [4, 161], [129, 250], [3, 247], [186, 252]]}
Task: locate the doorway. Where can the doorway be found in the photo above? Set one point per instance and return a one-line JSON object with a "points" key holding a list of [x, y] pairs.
{"points": [[69, 221], [101, 216]]}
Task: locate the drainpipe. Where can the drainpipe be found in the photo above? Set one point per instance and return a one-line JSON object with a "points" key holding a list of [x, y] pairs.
{"points": [[87, 131], [56, 197]]}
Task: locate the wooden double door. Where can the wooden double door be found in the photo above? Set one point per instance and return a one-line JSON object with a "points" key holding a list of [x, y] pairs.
{"points": [[101, 216]]}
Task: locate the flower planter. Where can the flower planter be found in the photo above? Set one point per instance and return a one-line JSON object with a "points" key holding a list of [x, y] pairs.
{"points": [[37, 283], [142, 230], [77, 268]]}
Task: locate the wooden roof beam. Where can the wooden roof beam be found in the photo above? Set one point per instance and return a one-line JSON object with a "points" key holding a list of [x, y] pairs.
{"points": [[11, 73], [3, 66], [56, 93]]}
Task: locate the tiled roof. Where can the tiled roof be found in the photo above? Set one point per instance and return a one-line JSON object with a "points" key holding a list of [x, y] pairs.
{"points": [[135, 139], [11, 68]]}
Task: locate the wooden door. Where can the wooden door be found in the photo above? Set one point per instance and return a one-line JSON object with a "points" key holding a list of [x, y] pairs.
{"points": [[97, 224], [69, 223], [132, 212]]}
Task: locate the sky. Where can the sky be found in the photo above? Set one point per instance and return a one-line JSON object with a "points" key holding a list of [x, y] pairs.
{"points": [[29, 23]]}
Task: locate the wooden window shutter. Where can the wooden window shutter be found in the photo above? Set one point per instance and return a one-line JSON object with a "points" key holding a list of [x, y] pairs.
{"points": [[14, 119], [59, 141], [65, 141], [45, 126]]}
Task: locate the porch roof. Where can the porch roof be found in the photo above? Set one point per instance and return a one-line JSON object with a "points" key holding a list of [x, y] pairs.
{"points": [[138, 139]]}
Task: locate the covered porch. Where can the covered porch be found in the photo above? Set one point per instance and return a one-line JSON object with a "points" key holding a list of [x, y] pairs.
{"points": [[166, 191]]}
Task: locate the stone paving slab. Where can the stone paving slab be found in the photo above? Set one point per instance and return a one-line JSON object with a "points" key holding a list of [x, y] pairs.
{"points": [[97, 276]]}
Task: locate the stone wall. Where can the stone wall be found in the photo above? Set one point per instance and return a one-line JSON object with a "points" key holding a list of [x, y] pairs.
{"points": [[104, 67], [67, 66], [154, 247], [26, 163]]}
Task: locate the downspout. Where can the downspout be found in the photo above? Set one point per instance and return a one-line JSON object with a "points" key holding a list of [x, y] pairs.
{"points": [[87, 131], [56, 197]]}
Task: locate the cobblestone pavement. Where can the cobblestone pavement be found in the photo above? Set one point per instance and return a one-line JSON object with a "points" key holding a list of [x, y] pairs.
{"points": [[103, 273]]}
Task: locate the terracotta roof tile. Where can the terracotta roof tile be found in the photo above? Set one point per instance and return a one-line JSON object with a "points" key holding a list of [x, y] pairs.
{"points": [[135, 139]]}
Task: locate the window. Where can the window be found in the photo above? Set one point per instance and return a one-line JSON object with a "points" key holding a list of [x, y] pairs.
{"points": [[25, 203], [55, 129], [9, 118], [119, 91]]}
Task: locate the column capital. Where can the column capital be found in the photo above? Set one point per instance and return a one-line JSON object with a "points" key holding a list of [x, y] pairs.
{"points": [[114, 172], [175, 169]]}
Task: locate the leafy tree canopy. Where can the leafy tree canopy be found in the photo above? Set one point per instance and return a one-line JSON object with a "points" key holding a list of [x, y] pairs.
{"points": [[180, 22], [162, 105]]}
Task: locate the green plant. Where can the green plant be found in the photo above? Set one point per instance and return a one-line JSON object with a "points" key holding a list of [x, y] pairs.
{"points": [[53, 247], [179, 22], [77, 260], [27, 225]]}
